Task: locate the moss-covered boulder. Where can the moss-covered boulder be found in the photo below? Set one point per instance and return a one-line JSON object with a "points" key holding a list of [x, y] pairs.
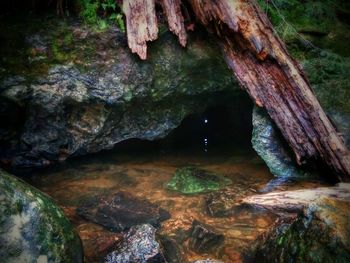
{"points": [[32, 227], [320, 234], [192, 180]]}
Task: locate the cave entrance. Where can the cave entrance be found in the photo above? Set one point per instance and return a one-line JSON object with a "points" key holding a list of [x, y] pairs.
{"points": [[222, 128]]}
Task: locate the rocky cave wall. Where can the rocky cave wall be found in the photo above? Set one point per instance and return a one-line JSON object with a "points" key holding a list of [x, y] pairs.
{"points": [[71, 90]]}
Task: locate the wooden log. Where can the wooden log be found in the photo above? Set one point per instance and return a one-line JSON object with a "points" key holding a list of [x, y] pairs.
{"points": [[274, 80], [172, 10], [141, 23], [296, 200]]}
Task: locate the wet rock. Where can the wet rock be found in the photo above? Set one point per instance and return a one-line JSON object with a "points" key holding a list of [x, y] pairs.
{"points": [[91, 92], [268, 144], [224, 202], [320, 234], [204, 239], [121, 211], [139, 245], [192, 180], [173, 253], [97, 241], [178, 228], [32, 227]]}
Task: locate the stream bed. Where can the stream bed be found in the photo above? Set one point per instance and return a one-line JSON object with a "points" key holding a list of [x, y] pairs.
{"points": [[145, 176]]}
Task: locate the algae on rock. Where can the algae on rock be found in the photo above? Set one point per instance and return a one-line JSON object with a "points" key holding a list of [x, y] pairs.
{"points": [[320, 234], [192, 180], [32, 227]]}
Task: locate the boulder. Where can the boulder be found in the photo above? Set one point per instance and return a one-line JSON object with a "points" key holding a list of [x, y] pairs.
{"points": [[192, 180], [32, 227], [320, 234], [270, 146], [88, 92], [139, 245], [121, 211]]}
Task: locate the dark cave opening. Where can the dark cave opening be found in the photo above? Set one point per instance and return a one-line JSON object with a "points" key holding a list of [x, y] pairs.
{"points": [[220, 128]]}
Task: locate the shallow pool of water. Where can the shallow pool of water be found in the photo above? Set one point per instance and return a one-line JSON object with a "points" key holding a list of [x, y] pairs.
{"points": [[145, 176]]}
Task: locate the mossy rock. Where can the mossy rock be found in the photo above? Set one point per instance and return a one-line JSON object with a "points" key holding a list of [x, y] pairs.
{"points": [[32, 227], [270, 146], [192, 180], [320, 234]]}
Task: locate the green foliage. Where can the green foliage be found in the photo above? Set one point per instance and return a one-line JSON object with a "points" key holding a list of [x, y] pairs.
{"points": [[109, 4], [89, 11], [118, 19], [102, 13], [292, 16]]}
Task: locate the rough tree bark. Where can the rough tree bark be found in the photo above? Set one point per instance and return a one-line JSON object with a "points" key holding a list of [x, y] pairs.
{"points": [[262, 65]]}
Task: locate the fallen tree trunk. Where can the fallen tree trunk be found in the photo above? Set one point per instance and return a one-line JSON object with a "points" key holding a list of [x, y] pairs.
{"points": [[295, 201], [262, 65]]}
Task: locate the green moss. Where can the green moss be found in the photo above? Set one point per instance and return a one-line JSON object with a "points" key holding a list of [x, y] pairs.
{"points": [[182, 70], [191, 180], [319, 235], [329, 75], [47, 229]]}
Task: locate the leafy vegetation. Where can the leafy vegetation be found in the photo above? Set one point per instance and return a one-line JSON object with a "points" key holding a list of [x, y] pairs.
{"points": [[102, 13]]}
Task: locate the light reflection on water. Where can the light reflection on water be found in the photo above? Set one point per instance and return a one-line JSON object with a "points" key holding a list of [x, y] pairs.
{"points": [[145, 175]]}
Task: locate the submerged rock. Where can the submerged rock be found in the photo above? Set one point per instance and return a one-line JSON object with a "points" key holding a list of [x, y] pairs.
{"points": [[97, 241], [320, 234], [32, 227], [192, 180], [173, 253], [223, 203], [139, 245], [268, 144], [121, 211], [204, 239]]}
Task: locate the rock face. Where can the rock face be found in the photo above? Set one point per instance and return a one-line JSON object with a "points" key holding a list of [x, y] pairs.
{"points": [[192, 180], [139, 245], [320, 234], [83, 91], [204, 239], [121, 211], [32, 227], [268, 144]]}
